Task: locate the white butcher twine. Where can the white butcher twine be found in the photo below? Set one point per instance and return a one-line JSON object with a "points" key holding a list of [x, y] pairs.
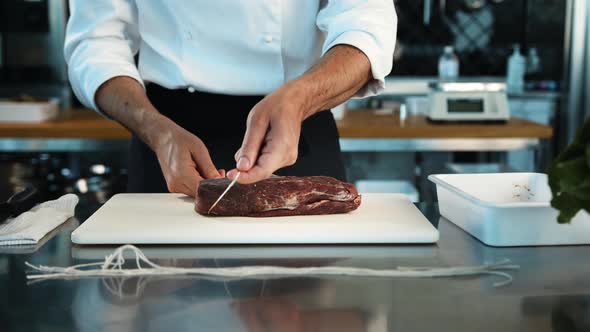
{"points": [[113, 267]]}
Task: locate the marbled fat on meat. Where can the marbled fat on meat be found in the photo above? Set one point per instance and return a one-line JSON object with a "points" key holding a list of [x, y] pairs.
{"points": [[278, 196]]}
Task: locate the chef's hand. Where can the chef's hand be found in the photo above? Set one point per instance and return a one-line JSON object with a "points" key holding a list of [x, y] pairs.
{"points": [[184, 159], [272, 135], [274, 124]]}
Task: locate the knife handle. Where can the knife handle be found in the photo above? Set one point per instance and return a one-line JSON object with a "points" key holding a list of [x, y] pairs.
{"points": [[23, 201], [5, 212]]}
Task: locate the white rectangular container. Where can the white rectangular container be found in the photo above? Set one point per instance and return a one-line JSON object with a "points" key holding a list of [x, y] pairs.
{"points": [[16, 111], [507, 209]]}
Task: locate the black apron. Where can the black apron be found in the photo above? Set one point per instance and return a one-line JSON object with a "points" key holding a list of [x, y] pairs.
{"points": [[220, 122]]}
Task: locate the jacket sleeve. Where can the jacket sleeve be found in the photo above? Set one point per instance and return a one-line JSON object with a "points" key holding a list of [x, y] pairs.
{"points": [[102, 38], [370, 26]]}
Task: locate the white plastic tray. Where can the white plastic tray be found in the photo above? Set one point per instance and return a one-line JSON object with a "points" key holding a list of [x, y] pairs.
{"points": [[507, 209]]}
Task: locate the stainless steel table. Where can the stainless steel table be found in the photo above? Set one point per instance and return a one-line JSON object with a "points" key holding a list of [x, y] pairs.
{"points": [[438, 144], [551, 291], [347, 144], [360, 129]]}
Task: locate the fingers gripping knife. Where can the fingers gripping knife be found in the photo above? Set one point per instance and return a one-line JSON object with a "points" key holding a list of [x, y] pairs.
{"points": [[224, 192]]}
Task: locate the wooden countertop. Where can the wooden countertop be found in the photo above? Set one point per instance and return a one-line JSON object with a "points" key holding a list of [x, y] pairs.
{"points": [[80, 123], [85, 124], [375, 124]]}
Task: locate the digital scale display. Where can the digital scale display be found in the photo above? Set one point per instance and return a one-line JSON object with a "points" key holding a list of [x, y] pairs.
{"points": [[465, 105]]}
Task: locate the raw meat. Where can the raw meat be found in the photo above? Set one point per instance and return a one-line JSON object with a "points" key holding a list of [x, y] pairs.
{"points": [[278, 196]]}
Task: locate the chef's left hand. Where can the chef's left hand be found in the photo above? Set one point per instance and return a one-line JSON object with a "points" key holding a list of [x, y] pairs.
{"points": [[272, 135]]}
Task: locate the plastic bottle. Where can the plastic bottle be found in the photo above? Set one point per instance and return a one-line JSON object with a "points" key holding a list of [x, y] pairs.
{"points": [[515, 71], [533, 62], [448, 65]]}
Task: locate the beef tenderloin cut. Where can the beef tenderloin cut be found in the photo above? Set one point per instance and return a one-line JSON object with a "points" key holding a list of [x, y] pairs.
{"points": [[278, 196]]}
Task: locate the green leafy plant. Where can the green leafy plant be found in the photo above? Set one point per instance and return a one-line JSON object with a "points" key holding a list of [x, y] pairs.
{"points": [[569, 177]]}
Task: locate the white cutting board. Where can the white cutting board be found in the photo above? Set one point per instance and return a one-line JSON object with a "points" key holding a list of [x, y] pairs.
{"points": [[171, 219]]}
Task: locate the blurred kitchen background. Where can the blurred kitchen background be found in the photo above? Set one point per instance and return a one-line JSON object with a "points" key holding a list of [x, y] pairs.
{"points": [[48, 140]]}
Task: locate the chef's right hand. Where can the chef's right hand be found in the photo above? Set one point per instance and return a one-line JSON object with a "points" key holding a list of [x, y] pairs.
{"points": [[184, 159]]}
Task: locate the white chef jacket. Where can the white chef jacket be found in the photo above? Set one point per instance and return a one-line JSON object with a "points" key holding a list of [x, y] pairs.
{"points": [[236, 47]]}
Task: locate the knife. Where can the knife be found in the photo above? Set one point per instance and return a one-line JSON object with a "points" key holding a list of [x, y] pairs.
{"points": [[231, 184], [18, 203]]}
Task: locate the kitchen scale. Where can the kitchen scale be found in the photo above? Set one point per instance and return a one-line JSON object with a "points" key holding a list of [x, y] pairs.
{"points": [[468, 102]]}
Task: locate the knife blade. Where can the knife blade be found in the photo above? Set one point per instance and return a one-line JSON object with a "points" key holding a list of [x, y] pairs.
{"points": [[231, 184]]}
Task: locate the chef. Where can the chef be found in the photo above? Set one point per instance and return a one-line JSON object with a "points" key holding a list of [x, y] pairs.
{"points": [[237, 85]]}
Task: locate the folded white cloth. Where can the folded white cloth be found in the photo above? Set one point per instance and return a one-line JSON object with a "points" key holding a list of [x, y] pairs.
{"points": [[31, 226]]}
